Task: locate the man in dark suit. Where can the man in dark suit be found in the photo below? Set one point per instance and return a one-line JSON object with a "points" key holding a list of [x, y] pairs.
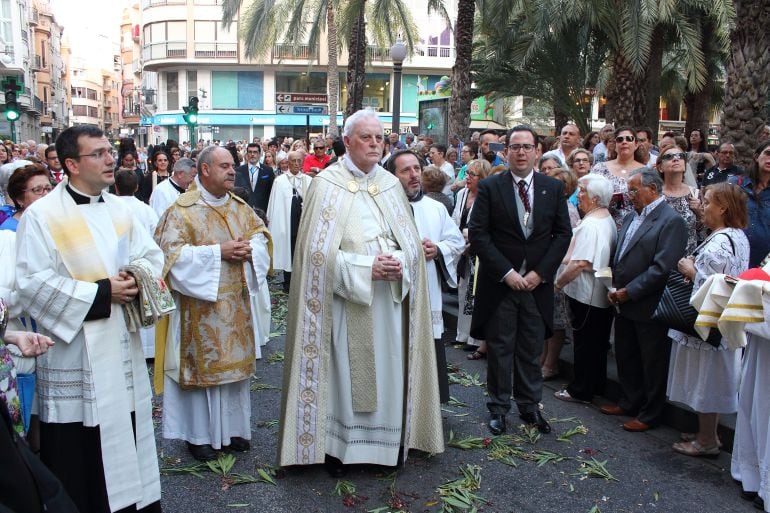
{"points": [[520, 231], [650, 243], [255, 177]]}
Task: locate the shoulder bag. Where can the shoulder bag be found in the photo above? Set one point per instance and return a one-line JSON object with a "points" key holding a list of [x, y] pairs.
{"points": [[674, 309]]}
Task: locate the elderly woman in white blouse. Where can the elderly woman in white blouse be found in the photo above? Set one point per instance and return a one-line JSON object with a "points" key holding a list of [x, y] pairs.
{"points": [[702, 376], [591, 317]]}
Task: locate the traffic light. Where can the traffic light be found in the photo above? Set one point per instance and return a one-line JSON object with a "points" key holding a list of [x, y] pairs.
{"points": [[10, 87], [191, 111]]}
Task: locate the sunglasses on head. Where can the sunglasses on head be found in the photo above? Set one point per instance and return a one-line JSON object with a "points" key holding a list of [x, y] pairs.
{"points": [[627, 138]]}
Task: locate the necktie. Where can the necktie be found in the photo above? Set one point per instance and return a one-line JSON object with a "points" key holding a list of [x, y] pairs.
{"points": [[252, 170], [524, 195]]}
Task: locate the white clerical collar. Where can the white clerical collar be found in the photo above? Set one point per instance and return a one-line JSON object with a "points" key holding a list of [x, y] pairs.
{"points": [[355, 170], [210, 198], [91, 199]]}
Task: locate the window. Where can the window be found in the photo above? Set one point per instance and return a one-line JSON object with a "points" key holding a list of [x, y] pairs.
{"points": [[91, 94], [192, 83], [93, 112], [212, 41], [167, 39], [5, 22], [300, 82], [376, 93], [79, 110], [237, 90], [172, 90]]}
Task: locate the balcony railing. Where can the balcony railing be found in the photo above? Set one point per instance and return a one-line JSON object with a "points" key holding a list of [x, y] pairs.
{"points": [[165, 50], [34, 17], [37, 104], [300, 52], [152, 3], [434, 51], [216, 50], [375, 53], [37, 63]]}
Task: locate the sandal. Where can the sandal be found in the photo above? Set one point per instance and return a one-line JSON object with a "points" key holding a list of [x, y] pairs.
{"points": [[565, 396], [548, 374], [477, 355], [689, 437], [697, 450]]}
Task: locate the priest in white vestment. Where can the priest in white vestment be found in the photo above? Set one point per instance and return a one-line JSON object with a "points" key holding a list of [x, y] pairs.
{"points": [[283, 211], [217, 254], [126, 185], [166, 192], [96, 431], [360, 369], [442, 243]]}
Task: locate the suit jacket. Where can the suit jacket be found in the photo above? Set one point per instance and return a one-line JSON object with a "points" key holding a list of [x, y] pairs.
{"points": [[656, 247], [498, 240], [259, 196]]}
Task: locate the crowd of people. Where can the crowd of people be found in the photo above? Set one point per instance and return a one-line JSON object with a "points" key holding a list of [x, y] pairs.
{"points": [[116, 257]]}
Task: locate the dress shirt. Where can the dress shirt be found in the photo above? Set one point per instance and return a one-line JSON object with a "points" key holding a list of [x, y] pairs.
{"points": [[637, 222]]}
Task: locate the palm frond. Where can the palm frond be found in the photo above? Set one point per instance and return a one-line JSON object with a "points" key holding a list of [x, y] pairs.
{"points": [[230, 11], [259, 27]]}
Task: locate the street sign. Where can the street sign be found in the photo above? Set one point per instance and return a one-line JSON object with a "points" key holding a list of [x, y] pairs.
{"points": [[294, 108], [301, 98]]}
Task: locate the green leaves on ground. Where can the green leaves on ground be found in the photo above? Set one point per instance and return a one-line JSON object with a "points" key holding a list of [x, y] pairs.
{"points": [[577, 430], [275, 357], [594, 468], [458, 495], [458, 376], [222, 467]]}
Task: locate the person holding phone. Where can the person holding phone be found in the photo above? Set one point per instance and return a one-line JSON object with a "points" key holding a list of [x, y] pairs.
{"points": [[618, 171]]}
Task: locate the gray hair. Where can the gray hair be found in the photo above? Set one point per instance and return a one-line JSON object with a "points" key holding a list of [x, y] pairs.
{"points": [[649, 177], [357, 117], [205, 156], [184, 165], [598, 187]]}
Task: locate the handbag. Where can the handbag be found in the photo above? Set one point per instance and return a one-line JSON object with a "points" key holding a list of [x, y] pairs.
{"points": [[674, 309]]}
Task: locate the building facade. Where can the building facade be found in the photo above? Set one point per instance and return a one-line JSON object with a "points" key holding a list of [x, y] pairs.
{"points": [[187, 52]]}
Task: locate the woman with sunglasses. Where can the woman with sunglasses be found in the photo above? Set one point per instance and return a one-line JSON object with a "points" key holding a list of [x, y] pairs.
{"points": [[672, 164], [618, 171], [756, 184]]}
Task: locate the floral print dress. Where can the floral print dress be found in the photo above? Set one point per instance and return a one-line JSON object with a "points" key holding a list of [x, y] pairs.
{"points": [[8, 389], [620, 205]]}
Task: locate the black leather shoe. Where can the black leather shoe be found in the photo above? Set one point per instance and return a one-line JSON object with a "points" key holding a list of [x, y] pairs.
{"points": [[335, 467], [759, 503], [239, 444], [536, 419], [202, 452], [497, 424]]}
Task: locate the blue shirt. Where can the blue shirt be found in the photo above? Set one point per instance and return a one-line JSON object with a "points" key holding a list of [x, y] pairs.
{"points": [[9, 224], [758, 231], [637, 222]]}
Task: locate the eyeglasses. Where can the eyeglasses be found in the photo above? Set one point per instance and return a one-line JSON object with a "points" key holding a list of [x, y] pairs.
{"points": [[38, 191], [473, 174], [581, 161], [98, 154], [465, 151], [673, 156], [627, 138], [319, 148], [525, 147]]}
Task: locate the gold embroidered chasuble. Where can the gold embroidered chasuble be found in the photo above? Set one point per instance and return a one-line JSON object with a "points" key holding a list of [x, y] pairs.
{"points": [[216, 345], [325, 227]]}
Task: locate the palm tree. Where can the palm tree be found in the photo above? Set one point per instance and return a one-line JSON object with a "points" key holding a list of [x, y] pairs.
{"points": [[748, 77], [460, 101], [558, 70]]}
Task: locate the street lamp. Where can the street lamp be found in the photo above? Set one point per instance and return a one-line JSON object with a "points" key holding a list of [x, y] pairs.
{"points": [[398, 54]]}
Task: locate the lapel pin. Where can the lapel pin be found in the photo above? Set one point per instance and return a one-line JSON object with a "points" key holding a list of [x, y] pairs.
{"points": [[543, 192]]}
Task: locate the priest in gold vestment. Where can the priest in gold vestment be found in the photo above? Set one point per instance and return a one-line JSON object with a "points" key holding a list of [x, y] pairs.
{"points": [[217, 254], [359, 374]]}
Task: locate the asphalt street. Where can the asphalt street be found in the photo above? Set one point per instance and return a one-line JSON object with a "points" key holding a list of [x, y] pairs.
{"points": [[549, 476]]}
